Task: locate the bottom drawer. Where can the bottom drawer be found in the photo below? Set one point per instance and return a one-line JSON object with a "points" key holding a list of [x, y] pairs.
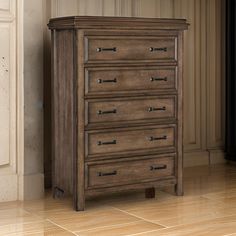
{"points": [[128, 171]]}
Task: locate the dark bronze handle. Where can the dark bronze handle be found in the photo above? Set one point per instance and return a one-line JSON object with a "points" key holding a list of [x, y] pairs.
{"points": [[106, 143], [106, 112], [158, 79], [150, 109], [158, 167], [151, 49], [100, 81], [157, 138], [106, 49], [107, 174]]}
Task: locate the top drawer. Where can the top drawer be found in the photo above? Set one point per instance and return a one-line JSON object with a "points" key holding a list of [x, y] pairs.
{"points": [[120, 48]]}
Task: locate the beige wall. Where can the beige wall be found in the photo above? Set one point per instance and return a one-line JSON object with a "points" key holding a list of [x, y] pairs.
{"points": [[203, 80]]}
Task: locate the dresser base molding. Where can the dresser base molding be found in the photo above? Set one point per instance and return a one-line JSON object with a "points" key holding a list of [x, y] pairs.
{"points": [[155, 184]]}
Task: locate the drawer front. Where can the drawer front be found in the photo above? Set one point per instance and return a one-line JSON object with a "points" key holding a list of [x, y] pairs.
{"points": [[113, 80], [103, 111], [113, 142], [129, 48], [128, 172]]}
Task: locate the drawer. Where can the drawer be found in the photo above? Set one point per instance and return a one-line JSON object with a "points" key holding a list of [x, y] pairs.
{"points": [[106, 143], [121, 80], [117, 48], [133, 109], [128, 172]]}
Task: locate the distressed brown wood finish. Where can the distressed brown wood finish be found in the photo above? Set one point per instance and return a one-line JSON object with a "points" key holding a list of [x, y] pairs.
{"points": [[128, 172], [63, 111], [125, 48], [132, 109], [129, 80], [117, 105]]}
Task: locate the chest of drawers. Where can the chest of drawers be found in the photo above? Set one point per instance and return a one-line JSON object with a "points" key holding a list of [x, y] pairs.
{"points": [[116, 105]]}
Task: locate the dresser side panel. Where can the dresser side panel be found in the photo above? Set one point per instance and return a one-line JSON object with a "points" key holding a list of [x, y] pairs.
{"points": [[63, 107]]}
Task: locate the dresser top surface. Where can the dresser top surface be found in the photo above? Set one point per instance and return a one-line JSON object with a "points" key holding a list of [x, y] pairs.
{"points": [[105, 22]]}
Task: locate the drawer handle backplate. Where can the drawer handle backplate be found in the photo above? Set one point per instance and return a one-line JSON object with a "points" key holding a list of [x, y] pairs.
{"points": [[158, 79], [152, 49], [106, 112], [158, 167], [150, 109], [157, 138], [106, 49], [106, 143], [100, 81], [107, 174]]}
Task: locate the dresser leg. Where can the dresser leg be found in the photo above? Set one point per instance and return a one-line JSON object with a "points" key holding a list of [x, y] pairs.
{"points": [[179, 190], [79, 201], [80, 206], [150, 192]]}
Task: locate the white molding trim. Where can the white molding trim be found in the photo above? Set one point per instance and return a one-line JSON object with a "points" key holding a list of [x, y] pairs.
{"points": [[217, 156], [33, 186], [198, 158], [136, 8], [20, 97]]}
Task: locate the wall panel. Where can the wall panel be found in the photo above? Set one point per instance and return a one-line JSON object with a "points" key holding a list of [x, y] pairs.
{"points": [[8, 115], [215, 83], [203, 80], [4, 93]]}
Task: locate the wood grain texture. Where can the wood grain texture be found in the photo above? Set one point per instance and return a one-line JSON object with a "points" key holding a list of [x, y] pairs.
{"points": [[129, 79], [128, 172], [82, 143], [79, 174], [63, 119], [133, 109], [118, 48], [134, 140]]}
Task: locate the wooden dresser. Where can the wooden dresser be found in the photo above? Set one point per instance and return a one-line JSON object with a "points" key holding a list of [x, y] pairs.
{"points": [[117, 105]]}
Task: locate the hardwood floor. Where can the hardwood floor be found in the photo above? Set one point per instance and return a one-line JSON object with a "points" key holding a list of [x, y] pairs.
{"points": [[207, 208]]}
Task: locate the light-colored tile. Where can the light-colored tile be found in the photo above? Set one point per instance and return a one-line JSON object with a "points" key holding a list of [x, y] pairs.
{"points": [[78, 221], [214, 227], [35, 228], [176, 208], [16, 215], [121, 230]]}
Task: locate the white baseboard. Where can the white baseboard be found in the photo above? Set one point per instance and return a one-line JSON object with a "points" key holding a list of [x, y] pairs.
{"points": [[8, 187], [209, 157], [217, 157], [196, 158], [33, 186]]}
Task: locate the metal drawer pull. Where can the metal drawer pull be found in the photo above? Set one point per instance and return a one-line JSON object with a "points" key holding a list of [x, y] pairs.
{"points": [[106, 49], [158, 167], [100, 81], [157, 138], [151, 49], [107, 174], [150, 109], [106, 143], [158, 79], [106, 112]]}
